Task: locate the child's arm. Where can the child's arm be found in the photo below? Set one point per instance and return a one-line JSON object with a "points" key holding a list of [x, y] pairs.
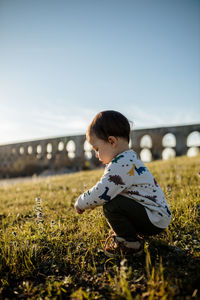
{"points": [[113, 182]]}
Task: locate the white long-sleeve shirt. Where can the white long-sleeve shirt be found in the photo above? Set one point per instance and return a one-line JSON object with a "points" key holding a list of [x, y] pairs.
{"points": [[126, 175]]}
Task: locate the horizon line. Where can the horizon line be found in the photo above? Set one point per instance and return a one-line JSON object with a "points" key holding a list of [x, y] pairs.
{"points": [[82, 134]]}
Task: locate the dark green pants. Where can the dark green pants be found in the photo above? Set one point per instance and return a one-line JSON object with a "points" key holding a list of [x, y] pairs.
{"points": [[128, 218]]}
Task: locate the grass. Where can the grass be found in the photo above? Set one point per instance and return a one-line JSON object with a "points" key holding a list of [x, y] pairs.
{"points": [[47, 251]]}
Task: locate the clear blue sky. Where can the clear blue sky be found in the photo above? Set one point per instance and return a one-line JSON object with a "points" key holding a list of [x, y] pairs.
{"points": [[63, 61]]}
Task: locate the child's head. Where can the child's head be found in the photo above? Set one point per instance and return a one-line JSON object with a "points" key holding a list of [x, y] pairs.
{"points": [[109, 134], [109, 123]]}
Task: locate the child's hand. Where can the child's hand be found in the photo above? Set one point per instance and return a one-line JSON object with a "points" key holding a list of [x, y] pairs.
{"points": [[78, 210]]}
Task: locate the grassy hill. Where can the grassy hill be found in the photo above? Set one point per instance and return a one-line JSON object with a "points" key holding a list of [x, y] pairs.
{"points": [[47, 251]]}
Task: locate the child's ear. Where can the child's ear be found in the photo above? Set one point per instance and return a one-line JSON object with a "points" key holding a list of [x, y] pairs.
{"points": [[112, 140]]}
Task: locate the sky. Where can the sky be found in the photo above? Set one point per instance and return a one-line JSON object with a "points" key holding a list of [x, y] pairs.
{"points": [[63, 61]]}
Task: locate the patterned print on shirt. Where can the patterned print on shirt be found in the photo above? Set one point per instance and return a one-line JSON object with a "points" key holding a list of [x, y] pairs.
{"points": [[131, 172], [134, 193], [87, 193], [156, 184], [168, 211], [136, 155], [140, 170], [152, 198], [115, 160], [104, 195], [116, 179]]}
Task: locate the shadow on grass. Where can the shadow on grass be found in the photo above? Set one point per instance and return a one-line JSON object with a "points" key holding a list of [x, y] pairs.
{"points": [[55, 274]]}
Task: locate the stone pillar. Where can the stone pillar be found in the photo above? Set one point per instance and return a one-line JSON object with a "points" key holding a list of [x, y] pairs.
{"points": [[135, 138], [157, 147], [181, 143], [79, 152]]}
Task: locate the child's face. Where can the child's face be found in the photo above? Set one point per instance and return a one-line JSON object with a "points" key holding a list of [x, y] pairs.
{"points": [[105, 151]]}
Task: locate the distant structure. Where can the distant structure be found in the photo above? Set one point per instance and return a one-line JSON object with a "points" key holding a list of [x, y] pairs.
{"points": [[73, 153]]}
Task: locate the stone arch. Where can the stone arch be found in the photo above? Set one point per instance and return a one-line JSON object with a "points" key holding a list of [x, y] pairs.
{"points": [[87, 150], [193, 151], [193, 143], [168, 153], [21, 150], [169, 140], [169, 145], [30, 150], [193, 139], [13, 151], [61, 146], [39, 151], [49, 148], [146, 141], [71, 148], [49, 156], [146, 155]]}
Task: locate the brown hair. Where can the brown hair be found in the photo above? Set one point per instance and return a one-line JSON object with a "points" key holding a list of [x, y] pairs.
{"points": [[109, 123]]}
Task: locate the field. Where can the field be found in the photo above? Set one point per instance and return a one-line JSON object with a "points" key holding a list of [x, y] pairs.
{"points": [[48, 251]]}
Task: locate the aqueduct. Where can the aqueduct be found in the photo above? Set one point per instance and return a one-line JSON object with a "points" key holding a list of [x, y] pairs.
{"points": [[73, 152]]}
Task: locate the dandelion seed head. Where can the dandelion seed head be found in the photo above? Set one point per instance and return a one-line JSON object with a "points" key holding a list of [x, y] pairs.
{"points": [[39, 214], [52, 223], [38, 200], [123, 262], [67, 280]]}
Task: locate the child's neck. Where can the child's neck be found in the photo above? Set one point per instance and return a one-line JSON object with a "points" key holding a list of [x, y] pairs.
{"points": [[122, 146]]}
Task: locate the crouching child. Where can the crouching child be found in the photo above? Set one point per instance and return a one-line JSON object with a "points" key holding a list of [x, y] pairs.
{"points": [[133, 202]]}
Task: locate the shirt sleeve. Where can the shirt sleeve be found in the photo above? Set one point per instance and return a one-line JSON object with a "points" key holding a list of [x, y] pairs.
{"points": [[115, 179]]}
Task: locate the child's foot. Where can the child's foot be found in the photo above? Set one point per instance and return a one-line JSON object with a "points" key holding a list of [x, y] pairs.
{"points": [[115, 246]]}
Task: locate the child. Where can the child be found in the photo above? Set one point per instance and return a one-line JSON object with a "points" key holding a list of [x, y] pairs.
{"points": [[132, 200]]}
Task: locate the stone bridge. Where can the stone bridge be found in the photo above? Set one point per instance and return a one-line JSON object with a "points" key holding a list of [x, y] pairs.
{"points": [[73, 152]]}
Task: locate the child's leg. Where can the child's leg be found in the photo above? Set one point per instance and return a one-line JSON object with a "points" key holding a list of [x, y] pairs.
{"points": [[127, 218]]}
